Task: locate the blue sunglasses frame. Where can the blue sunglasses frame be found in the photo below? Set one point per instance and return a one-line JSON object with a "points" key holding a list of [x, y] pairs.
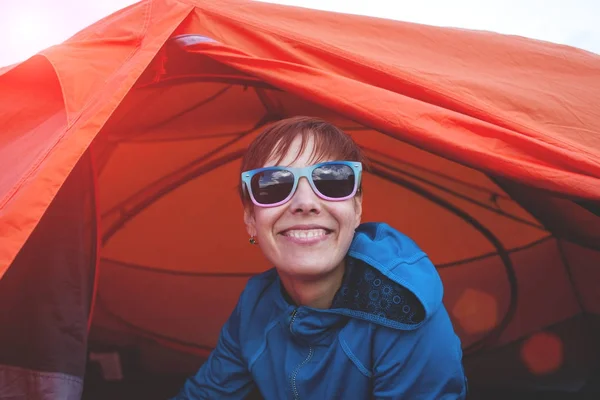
{"points": [[305, 172]]}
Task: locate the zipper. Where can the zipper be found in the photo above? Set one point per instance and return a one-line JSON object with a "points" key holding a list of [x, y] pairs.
{"points": [[303, 363], [295, 373], [293, 315]]}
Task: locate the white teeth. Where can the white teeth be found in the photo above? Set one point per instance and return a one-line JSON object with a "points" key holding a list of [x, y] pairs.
{"points": [[306, 233]]}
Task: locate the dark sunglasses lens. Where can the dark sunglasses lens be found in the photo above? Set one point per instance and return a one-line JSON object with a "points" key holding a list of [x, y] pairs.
{"points": [[272, 186], [334, 180]]}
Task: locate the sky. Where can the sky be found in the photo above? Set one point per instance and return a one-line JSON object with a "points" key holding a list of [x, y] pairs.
{"points": [[29, 26]]}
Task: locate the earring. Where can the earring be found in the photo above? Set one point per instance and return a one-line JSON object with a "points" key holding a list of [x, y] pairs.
{"points": [[253, 240]]}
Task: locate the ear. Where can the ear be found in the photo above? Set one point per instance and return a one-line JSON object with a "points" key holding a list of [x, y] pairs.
{"points": [[249, 220], [358, 210]]}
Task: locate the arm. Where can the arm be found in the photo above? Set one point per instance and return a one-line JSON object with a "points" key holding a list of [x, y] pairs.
{"points": [[224, 375], [427, 366]]}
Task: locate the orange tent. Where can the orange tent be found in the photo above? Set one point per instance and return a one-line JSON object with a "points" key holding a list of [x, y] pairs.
{"points": [[119, 157]]}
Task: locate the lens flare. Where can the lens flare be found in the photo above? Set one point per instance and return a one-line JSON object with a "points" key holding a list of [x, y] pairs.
{"points": [[543, 353]]}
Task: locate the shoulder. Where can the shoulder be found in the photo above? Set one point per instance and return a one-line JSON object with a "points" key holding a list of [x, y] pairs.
{"points": [[422, 363], [434, 338], [257, 285], [377, 346], [258, 312], [258, 303]]}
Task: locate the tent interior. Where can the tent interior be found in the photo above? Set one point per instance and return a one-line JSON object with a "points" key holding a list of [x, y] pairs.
{"points": [[159, 226]]}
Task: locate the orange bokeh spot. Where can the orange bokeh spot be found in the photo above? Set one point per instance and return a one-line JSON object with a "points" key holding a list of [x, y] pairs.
{"points": [[543, 353], [476, 311]]}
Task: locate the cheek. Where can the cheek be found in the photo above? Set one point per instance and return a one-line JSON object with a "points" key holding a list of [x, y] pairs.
{"points": [[265, 218], [347, 216], [357, 211]]}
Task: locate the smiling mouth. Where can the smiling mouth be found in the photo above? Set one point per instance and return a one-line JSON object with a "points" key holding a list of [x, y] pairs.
{"points": [[306, 234]]}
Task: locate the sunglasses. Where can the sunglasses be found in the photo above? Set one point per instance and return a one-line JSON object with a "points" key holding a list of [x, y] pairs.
{"points": [[331, 180]]}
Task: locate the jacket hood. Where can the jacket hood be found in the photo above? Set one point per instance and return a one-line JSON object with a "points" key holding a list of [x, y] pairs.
{"points": [[389, 279]]}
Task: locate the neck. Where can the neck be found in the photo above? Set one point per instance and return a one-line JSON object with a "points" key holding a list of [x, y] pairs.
{"points": [[314, 292]]}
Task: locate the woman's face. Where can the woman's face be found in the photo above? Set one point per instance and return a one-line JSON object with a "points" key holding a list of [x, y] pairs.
{"points": [[307, 237]]}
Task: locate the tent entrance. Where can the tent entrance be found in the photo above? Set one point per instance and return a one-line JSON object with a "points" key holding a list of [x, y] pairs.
{"points": [[174, 253]]}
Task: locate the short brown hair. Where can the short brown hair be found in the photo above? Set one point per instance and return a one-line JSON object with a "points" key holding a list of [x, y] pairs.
{"points": [[276, 139]]}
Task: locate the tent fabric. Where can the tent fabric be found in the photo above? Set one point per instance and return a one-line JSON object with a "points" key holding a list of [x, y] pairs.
{"points": [[507, 106], [46, 299], [18, 383], [483, 148]]}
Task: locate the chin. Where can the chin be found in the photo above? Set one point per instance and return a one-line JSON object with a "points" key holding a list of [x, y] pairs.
{"points": [[308, 268]]}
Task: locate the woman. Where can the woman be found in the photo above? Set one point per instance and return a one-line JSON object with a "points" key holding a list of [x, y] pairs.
{"points": [[351, 310]]}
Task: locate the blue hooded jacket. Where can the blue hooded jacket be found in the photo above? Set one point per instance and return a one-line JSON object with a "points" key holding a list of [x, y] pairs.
{"points": [[387, 334]]}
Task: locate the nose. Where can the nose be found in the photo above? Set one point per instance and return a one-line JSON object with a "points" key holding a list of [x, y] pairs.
{"points": [[305, 201]]}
